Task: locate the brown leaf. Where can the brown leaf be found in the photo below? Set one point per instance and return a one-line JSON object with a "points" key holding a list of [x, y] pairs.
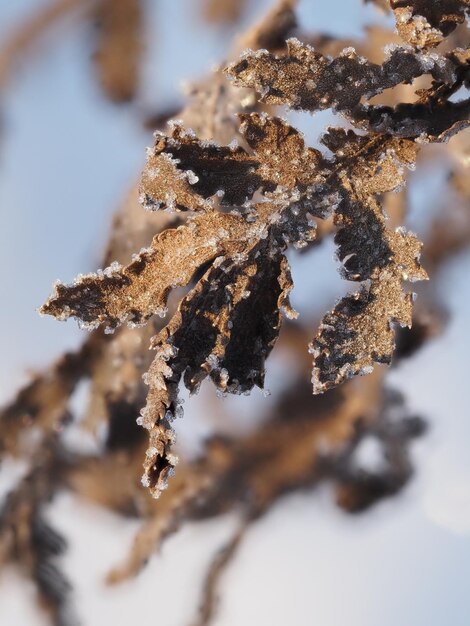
{"points": [[213, 333], [425, 24], [135, 292], [184, 173], [307, 80], [358, 332], [251, 201]]}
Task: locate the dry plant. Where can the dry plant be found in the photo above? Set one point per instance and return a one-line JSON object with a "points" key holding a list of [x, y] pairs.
{"points": [[202, 278]]}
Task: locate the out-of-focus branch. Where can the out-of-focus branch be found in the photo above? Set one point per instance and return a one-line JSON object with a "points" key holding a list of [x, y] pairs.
{"points": [[219, 564]]}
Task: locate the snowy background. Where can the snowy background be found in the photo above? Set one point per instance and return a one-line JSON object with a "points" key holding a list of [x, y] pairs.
{"points": [[66, 159]]}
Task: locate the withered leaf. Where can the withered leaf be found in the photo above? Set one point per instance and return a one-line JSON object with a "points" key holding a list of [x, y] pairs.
{"points": [[249, 202], [307, 80], [187, 174], [139, 290], [426, 24], [246, 203], [213, 333], [358, 332], [200, 172]]}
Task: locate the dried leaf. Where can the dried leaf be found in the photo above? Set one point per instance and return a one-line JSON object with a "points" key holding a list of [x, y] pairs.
{"points": [[169, 182], [307, 80], [213, 334], [249, 202], [135, 292], [240, 207], [239, 247], [358, 332], [425, 24]]}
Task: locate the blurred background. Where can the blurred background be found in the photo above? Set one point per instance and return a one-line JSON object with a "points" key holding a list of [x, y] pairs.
{"points": [[68, 156]]}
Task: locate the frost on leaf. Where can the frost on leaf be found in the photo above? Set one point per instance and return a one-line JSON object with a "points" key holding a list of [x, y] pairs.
{"points": [[358, 332], [249, 201], [425, 23], [307, 80], [214, 333], [135, 292], [186, 174]]}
